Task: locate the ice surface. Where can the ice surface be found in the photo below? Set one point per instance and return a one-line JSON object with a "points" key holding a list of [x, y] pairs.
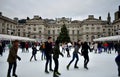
{"points": [[100, 65]]}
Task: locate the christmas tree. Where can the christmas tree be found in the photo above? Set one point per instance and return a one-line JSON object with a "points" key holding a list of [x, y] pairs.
{"points": [[63, 36]]}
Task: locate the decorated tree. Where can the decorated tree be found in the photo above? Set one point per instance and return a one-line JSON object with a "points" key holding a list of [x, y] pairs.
{"points": [[63, 36]]}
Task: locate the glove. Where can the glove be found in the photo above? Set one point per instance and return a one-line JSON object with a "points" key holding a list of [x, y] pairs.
{"points": [[19, 58]]}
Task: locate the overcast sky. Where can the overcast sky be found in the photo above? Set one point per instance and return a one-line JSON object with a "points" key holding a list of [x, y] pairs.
{"points": [[75, 9]]}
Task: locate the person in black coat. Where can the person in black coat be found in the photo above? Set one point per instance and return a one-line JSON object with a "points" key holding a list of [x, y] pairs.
{"points": [[56, 53], [1, 49], [117, 59], [84, 52], [34, 52], [48, 53], [3, 46]]}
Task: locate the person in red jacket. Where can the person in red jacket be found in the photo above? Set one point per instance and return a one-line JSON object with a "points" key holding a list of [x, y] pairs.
{"points": [[105, 46], [27, 46]]}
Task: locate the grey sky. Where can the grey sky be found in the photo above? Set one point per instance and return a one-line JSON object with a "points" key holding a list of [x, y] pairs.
{"points": [[76, 9]]}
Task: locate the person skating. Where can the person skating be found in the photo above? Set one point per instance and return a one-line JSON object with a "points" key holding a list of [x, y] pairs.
{"points": [[117, 60], [12, 59], [75, 55], [23, 46], [56, 53], [1, 49], [34, 52], [42, 49], [84, 52], [48, 53], [68, 51], [27, 47]]}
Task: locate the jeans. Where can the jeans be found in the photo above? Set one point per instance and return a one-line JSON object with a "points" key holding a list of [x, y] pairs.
{"points": [[86, 60], [43, 54], [56, 65], [75, 55], [12, 65], [48, 59]]}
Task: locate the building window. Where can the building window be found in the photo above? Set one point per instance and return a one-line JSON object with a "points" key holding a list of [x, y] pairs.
{"points": [[34, 36], [92, 24], [40, 28], [3, 30], [78, 32], [117, 26], [34, 29], [103, 30], [39, 32], [87, 28], [49, 32], [18, 29], [10, 26], [73, 32], [18, 33], [29, 28], [98, 36], [93, 28], [53, 31], [58, 31], [98, 28]]}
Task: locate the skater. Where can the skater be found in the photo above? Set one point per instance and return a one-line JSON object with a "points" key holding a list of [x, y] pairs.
{"points": [[34, 52], [56, 53], [116, 47], [117, 60], [95, 47], [75, 55], [48, 53], [12, 59], [27, 47], [1, 49], [68, 52], [23, 46], [84, 52], [42, 49], [105, 45], [99, 47], [110, 46], [3, 46]]}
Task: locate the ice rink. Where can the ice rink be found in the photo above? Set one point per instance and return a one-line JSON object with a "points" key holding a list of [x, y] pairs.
{"points": [[100, 65]]}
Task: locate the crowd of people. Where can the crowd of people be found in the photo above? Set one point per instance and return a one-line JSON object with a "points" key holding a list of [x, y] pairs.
{"points": [[51, 51]]}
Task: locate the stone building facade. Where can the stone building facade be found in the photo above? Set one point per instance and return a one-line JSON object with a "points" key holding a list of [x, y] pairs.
{"points": [[38, 28], [7, 25], [116, 23]]}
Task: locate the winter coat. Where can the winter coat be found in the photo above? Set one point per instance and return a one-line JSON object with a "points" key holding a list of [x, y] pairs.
{"points": [[26, 45], [56, 52], [34, 50], [1, 49], [76, 49], [12, 57], [48, 48], [85, 49], [117, 59]]}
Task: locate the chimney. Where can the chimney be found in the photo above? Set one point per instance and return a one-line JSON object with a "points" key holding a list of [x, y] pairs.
{"points": [[16, 19], [0, 13], [99, 17], [119, 8], [91, 16]]}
